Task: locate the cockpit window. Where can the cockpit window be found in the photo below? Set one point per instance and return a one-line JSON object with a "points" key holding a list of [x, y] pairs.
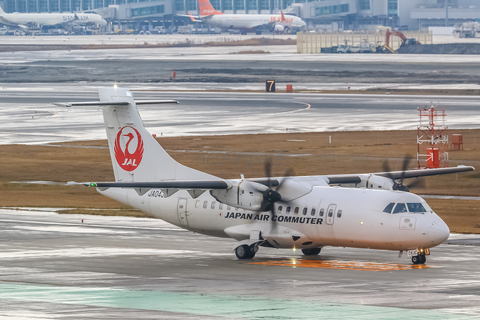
{"points": [[416, 207], [400, 208], [388, 209]]}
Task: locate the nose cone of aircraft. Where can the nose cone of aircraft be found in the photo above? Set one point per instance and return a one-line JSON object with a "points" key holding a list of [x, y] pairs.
{"points": [[438, 232]]}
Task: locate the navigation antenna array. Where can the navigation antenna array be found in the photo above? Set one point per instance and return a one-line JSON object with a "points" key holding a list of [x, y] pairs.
{"points": [[432, 138]]}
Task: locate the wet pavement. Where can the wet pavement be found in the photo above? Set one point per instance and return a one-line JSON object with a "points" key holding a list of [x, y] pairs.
{"points": [[29, 117], [53, 266]]}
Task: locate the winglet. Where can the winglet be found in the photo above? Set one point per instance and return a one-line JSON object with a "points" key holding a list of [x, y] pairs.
{"points": [[191, 17], [282, 19]]}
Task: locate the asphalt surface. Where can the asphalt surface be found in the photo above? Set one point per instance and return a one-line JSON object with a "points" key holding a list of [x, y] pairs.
{"points": [[55, 266]]}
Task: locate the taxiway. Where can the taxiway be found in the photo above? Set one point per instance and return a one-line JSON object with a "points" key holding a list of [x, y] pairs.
{"points": [[106, 267]]}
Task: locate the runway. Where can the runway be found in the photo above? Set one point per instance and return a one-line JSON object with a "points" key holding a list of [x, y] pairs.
{"points": [[53, 266], [29, 117]]}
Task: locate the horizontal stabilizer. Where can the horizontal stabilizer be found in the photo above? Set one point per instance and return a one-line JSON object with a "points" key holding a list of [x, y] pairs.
{"points": [[92, 103], [142, 102], [111, 103], [193, 18]]}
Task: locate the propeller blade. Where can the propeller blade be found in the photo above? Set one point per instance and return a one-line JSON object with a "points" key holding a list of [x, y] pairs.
{"points": [[399, 185], [268, 171], [406, 162], [417, 183], [386, 169], [290, 173]]}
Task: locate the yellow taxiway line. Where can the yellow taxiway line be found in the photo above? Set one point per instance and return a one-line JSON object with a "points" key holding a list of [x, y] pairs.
{"points": [[340, 265]]}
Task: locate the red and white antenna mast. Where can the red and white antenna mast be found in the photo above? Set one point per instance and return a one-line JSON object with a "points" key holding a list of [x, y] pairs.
{"points": [[432, 138]]}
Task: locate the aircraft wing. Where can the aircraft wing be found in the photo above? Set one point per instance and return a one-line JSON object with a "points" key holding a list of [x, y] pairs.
{"points": [[352, 178], [173, 184], [223, 184]]}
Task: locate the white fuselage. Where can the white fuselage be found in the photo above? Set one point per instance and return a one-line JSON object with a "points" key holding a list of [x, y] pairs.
{"points": [[347, 217], [51, 19], [249, 21]]}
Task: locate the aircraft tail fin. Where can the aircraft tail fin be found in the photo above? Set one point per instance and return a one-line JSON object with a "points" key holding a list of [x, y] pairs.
{"points": [[206, 8], [135, 154], [1, 11]]}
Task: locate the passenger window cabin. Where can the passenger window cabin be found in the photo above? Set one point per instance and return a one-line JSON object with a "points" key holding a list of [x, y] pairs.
{"points": [[297, 209], [288, 210], [304, 212], [322, 212], [205, 204], [313, 212]]}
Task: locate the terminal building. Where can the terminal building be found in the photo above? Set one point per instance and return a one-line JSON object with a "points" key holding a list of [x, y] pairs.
{"points": [[337, 14]]}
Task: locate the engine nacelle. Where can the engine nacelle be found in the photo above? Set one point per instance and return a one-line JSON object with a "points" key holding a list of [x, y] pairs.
{"points": [[378, 182], [243, 194], [279, 28]]}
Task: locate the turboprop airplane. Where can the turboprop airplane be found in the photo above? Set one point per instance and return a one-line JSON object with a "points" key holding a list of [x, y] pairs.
{"points": [[22, 20], [247, 22], [373, 211]]}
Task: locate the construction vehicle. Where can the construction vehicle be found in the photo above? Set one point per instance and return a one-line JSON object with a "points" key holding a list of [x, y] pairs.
{"points": [[363, 47], [405, 41], [466, 29]]}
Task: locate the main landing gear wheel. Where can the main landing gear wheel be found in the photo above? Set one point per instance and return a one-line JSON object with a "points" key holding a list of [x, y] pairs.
{"points": [[311, 252], [420, 259], [245, 252]]}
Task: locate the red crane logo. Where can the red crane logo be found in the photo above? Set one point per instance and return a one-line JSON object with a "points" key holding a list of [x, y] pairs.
{"points": [[126, 159]]}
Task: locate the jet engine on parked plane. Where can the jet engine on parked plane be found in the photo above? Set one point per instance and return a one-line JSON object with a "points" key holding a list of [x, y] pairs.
{"points": [[279, 28]]}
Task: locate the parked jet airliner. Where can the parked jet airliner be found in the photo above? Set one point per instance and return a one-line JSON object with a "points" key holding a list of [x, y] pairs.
{"points": [[50, 19], [248, 22], [373, 211]]}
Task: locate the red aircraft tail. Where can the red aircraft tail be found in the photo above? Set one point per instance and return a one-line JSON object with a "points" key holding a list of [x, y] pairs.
{"points": [[206, 8]]}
